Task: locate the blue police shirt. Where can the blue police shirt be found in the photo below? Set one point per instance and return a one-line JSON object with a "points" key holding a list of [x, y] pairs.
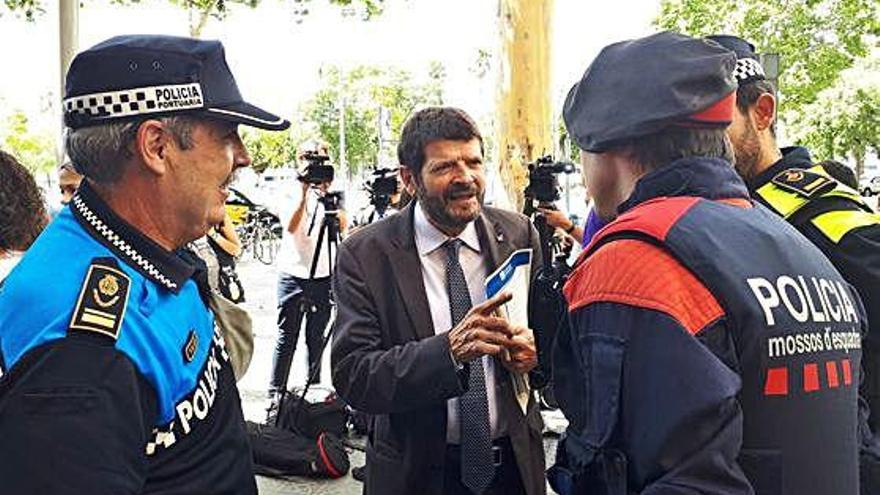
{"points": [[116, 379]]}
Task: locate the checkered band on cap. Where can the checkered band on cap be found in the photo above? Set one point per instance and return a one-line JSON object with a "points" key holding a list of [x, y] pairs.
{"points": [[748, 69], [139, 101]]}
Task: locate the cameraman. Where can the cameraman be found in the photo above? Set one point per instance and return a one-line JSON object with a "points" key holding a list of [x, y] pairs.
{"points": [[299, 294], [381, 204], [559, 220]]}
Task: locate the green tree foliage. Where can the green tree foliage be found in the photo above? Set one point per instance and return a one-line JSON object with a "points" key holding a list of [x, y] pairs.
{"points": [[362, 91], [828, 49], [34, 150], [201, 11], [30, 9], [368, 8], [844, 121], [815, 39], [268, 149]]}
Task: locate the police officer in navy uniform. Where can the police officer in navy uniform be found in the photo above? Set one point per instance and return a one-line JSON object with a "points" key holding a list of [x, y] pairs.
{"points": [[832, 215], [115, 377], [710, 347]]}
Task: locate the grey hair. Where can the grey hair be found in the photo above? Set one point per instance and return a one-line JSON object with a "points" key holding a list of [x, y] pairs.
{"points": [[101, 152]]}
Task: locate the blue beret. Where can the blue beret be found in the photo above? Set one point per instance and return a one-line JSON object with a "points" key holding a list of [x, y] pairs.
{"points": [[639, 87], [131, 76]]}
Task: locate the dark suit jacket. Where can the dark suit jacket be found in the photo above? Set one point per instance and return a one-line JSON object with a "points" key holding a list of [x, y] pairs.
{"points": [[388, 362]]}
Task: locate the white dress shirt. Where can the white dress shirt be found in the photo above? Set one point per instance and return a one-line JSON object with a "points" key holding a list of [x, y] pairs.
{"points": [[429, 242]]}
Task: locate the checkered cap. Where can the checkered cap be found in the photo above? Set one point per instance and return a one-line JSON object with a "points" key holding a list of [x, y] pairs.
{"points": [[131, 76], [127, 103], [748, 67]]}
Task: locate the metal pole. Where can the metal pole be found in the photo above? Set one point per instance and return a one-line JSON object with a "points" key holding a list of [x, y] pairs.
{"points": [[770, 62], [68, 45], [384, 128], [342, 163]]}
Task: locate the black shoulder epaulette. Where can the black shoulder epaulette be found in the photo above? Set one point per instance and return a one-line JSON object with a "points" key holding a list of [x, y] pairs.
{"points": [[102, 299], [803, 182]]}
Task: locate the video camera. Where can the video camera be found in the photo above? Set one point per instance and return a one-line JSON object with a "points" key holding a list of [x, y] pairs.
{"points": [[316, 171], [543, 184], [384, 183], [332, 201]]}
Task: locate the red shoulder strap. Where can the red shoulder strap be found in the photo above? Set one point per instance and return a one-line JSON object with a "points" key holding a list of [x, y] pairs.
{"points": [[654, 218]]}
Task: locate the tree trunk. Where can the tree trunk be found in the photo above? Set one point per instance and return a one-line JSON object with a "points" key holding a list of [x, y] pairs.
{"points": [[860, 164], [197, 24], [523, 119]]}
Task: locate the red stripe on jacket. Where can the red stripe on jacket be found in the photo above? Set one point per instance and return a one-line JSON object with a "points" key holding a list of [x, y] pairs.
{"points": [[643, 275]]}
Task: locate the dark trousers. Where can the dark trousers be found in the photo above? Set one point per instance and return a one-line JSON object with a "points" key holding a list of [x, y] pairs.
{"points": [[299, 298], [507, 481]]}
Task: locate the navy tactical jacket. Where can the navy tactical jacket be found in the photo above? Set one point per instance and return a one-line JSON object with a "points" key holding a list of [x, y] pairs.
{"points": [[711, 347]]}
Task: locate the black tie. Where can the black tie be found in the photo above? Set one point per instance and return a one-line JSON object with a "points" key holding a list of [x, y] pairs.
{"points": [[477, 467]]}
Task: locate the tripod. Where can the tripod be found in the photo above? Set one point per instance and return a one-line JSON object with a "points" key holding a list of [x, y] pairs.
{"points": [[380, 203], [553, 252], [546, 294], [328, 232]]}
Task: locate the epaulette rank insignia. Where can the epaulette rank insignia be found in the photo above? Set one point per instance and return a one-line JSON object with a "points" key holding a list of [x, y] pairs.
{"points": [[803, 182], [102, 299]]}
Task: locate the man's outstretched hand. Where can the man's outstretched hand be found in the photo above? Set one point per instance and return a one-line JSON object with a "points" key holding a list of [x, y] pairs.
{"points": [[481, 332]]}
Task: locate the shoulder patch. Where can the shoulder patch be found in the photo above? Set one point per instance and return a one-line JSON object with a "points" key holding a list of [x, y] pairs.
{"points": [[102, 299], [803, 182]]}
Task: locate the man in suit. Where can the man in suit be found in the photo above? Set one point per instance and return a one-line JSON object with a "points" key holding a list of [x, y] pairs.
{"points": [[435, 375]]}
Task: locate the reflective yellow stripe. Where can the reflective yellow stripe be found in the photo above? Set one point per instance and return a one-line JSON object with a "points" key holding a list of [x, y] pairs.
{"points": [[836, 224], [841, 190], [785, 203]]}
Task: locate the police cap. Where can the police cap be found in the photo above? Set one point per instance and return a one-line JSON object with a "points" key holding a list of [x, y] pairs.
{"points": [[748, 66], [132, 76], [639, 87]]}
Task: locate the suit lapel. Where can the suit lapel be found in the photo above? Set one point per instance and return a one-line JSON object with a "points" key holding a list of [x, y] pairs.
{"points": [[407, 266], [407, 270], [493, 241], [490, 237], [499, 248]]}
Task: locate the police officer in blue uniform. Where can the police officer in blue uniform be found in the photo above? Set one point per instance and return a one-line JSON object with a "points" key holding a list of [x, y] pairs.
{"points": [[710, 347], [832, 215], [116, 379]]}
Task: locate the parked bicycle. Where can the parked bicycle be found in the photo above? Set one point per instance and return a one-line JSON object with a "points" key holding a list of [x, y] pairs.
{"points": [[258, 228]]}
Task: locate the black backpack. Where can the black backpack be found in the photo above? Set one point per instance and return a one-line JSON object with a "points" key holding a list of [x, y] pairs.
{"points": [[278, 453], [313, 418]]}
